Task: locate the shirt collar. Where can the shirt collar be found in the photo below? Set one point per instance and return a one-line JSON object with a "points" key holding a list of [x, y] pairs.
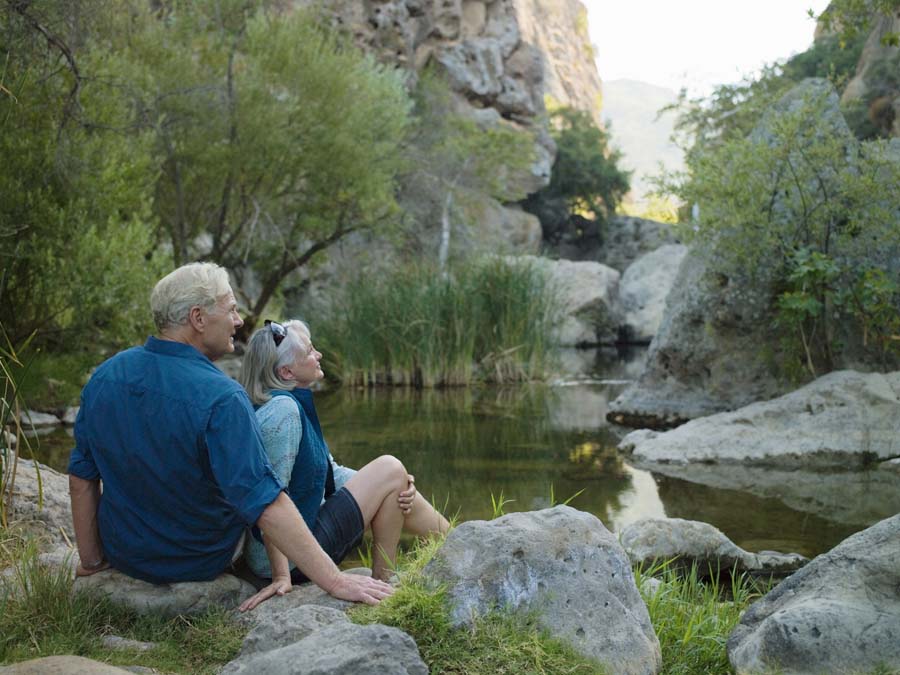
{"points": [[173, 348]]}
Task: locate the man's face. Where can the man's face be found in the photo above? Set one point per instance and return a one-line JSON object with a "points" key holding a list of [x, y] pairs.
{"points": [[221, 323]]}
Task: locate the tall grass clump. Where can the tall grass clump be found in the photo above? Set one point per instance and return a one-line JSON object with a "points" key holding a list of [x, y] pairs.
{"points": [[483, 321], [41, 616], [496, 643], [693, 615]]}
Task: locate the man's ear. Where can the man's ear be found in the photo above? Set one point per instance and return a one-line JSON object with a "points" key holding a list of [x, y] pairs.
{"points": [[197, 318]]}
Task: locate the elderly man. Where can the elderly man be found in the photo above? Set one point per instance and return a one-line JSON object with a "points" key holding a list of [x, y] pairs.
{"points": [[177, 448]]}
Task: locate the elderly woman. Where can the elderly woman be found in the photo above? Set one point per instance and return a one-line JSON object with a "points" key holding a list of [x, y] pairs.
{"points": [[337, 503]]}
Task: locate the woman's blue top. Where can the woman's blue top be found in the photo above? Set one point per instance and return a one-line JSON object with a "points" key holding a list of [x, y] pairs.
{"points": [[300, 457]]}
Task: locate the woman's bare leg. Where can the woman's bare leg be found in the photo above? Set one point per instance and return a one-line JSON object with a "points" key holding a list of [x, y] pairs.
{"points": [[424, 519], [376, 487]]}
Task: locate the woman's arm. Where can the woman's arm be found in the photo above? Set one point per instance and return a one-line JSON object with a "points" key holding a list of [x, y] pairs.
{"points": [[281, 577]]}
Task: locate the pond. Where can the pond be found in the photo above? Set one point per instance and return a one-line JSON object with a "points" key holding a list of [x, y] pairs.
{"points": [[531, 444]]}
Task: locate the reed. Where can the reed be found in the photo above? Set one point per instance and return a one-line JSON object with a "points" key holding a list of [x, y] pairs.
{"points": [[483, 321]]}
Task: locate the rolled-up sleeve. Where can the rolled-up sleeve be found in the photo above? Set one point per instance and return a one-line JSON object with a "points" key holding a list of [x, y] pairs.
{"points": [[81, 460], [238, 460]]}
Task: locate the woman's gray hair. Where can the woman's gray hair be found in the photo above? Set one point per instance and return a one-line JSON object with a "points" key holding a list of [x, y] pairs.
{"points": [[262, 359], [191, 285]]}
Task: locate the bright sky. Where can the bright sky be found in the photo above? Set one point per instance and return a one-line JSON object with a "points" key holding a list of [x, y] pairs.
{"points": [[696, 43]]}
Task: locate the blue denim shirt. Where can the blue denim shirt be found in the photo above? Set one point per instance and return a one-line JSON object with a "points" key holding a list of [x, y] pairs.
{"points": [[177, 447]]}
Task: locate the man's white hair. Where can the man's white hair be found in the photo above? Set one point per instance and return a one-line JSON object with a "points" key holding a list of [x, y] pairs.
{"points": [[191, 285]]}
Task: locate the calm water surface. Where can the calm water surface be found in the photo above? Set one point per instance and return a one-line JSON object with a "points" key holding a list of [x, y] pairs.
{"points": [[528, 442]]}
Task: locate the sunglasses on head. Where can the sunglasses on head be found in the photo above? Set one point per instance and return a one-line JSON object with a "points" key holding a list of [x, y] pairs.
{"points": [[279, 332]]}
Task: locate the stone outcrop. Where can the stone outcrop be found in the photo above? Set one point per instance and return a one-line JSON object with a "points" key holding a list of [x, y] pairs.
{"points": [[191, 597], [564, 565], [280, 629], [644, 287], [627, 238], [710, 353], [839, 614], [690, 542], [840, 420], [587, 300]]}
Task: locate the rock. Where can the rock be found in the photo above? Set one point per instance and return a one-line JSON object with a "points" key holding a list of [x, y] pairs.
{"points": [[891, 465], [303, 594], [338, 648], [37, 419], [562, 564], [839, 614], [650, 586], [874, 54], [169, 600], [70, 415], [717, 342], [473, 67], [123, 644], [843, 419], [43, 508], [644, 287], [690, 542], [586, 295], [628, 238], [62, 665], [289, 626], [500, 228]]}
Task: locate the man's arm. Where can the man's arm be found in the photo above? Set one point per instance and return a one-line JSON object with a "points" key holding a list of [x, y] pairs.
{"points": [[85, 497], [282, 523]]}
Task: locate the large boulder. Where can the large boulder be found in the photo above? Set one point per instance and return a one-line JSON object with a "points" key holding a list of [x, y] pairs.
{"points": [[338, 648], [189, 597], [562, 564], [693, 543], [717, 342], [627, 238], [839, 614], [289, 626], [843, 419], [644, 287], [587, 294]]}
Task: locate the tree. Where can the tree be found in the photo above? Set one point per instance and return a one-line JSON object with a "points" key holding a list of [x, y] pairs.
{"points": [[278, 138], [451, 154]]}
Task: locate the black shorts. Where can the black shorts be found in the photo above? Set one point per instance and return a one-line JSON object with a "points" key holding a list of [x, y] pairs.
{"points": [[339, 529]]}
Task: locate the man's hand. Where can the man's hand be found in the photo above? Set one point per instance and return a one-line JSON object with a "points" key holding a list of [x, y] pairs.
{"points": [[406, 498], [357, 588], [279, 586]]}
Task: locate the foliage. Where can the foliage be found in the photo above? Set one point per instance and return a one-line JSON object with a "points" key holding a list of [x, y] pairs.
{"points": [[850, 18], [451, 154], [585, 175], [692, 617], [79, 263], [814, 210], [277, 137], [487, 320], [40, 616], [498, 642]]}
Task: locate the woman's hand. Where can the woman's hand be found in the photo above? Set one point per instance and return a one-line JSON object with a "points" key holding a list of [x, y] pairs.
{"points": [[279, 586], [405, 500]]}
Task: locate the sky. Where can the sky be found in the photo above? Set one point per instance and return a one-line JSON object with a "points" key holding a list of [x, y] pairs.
{"points": [[696, 43]]}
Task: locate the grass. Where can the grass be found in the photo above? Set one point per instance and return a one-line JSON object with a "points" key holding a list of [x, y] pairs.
{"points": [[694, 616], [484, 321], [40, 616]]}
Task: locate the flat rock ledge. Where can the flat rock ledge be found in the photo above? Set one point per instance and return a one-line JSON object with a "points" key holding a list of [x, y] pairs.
{"points": [[839, 614], [191, 597], [842, 420], [691, 542], [564, 565]]}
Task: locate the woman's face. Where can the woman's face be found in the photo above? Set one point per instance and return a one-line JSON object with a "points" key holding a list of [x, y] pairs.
{"points": [[305, 368]]}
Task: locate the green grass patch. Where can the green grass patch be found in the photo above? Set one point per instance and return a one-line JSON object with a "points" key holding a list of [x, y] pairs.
{"points": [[694, 616], [497, 643], [483, 321], [40, 616]]}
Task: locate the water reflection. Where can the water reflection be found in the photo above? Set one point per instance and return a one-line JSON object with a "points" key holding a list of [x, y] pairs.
{"points": [[466, 444]]}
